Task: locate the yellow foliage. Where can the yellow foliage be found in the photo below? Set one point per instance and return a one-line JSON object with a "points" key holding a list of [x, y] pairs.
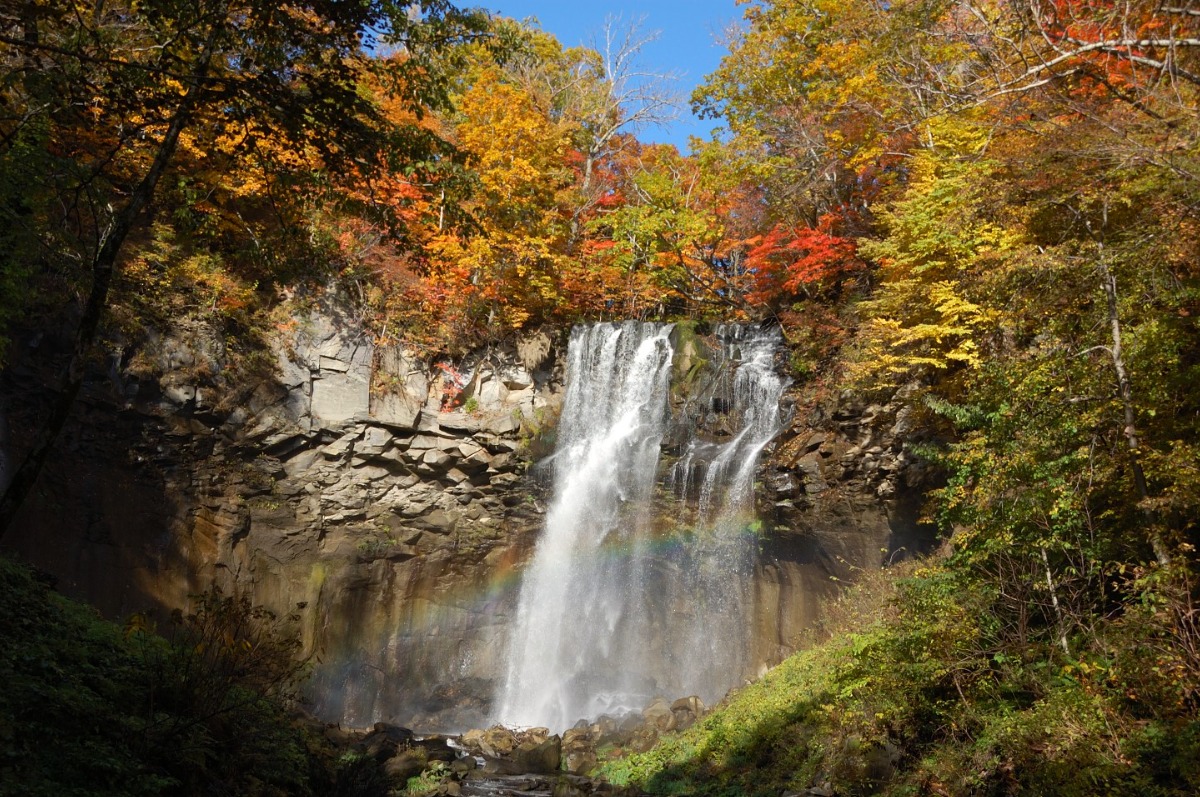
{"points": [[518, 154], [941, 238]]}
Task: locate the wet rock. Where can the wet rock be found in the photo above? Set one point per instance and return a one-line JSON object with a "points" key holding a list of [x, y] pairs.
{"points": [[565, 788], [405, 764], [581, 763], [780, 483], [659, 715], [579, 750], [538, 757], [497, 741], [609, 731], [510, 752], [437, 748], [384, 741], [536, 735], [630, 723]]}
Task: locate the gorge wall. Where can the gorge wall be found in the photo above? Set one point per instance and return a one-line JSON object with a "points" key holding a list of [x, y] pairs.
{"points": [[329, 483]]}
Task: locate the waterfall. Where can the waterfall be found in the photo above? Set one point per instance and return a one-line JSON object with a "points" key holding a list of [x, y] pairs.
{"points": [[631, 593]]}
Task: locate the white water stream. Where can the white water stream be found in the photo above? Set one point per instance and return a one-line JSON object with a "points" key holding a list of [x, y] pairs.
{"points": [[618, 605]]}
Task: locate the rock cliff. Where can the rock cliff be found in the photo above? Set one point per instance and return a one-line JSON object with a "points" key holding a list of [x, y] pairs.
{"points": [[385, 505]]}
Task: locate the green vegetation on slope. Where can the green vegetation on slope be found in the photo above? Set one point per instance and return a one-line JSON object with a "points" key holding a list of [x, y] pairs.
{"points": [[90, 708], [917, 692]]}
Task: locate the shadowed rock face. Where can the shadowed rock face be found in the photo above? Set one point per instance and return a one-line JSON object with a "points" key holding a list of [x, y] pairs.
{"points": [[336, 490]]}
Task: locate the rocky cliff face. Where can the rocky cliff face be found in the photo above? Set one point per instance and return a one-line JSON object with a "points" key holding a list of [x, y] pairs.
{"points": [[334, 488], [843, 490], [340, 490]]}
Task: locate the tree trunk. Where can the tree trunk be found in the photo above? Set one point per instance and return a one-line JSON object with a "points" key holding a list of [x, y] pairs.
{"points": [[103, 262], [1058, 613], [1125, 388]]}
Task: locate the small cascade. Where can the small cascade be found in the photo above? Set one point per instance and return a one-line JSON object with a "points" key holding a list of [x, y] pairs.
{"points": [[634, 593], [720, 475]]}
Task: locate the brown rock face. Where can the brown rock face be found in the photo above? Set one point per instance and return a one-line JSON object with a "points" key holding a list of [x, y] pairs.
{"points": [[336, 489], [339, 491]]}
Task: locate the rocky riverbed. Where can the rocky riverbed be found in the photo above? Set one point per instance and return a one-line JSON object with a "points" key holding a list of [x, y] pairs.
{"points": [[511, 761]]}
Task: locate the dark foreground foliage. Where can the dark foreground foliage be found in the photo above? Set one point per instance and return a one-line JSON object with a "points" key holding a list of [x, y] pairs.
{"points": [[90, 708]]}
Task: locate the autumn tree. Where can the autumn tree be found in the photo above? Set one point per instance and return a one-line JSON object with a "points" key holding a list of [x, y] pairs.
{"points": [[606, 93], [672, 234], [509, 267], [109, 91], [823, 98]]}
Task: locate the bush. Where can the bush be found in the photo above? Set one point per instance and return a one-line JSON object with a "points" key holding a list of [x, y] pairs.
{"points": [[89, 708]]}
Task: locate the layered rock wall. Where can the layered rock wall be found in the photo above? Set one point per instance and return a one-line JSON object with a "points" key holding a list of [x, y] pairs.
{"points": [[385, 506], [339, 489]]}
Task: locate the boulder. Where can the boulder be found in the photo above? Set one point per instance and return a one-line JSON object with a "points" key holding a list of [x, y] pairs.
{"points": [[659, 716], [691, 703], [385, 741], [581, 763], [497, 741], [578, 738], [536, 735], [472, 740], [436, 748], [684, 719], [579, 750], [538, 757], [405, 764]]}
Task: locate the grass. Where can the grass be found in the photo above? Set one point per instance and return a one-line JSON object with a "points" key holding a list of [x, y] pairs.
{"points": [[904, 692]]}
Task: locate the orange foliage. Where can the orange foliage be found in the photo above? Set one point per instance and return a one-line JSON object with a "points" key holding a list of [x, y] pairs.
{"points": [[789, 261]]}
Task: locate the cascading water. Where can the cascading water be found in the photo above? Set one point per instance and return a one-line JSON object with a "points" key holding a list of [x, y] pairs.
{"points": [[726, 469], [619, 605], [717, 477]]}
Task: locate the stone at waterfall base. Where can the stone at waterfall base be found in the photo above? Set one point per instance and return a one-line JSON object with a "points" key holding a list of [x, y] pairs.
{"points": [[509, 752]]}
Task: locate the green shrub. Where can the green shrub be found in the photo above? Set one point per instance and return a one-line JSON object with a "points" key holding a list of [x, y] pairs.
{"points": [[89, 708]]}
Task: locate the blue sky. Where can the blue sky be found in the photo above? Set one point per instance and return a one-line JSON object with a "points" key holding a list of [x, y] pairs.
{"points": [[689, 41]]}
